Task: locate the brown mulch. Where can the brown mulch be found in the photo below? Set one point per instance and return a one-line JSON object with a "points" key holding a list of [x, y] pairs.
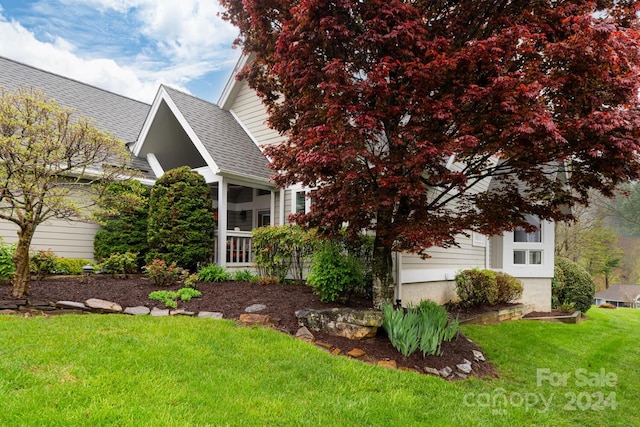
{"points": [[231, 298]]}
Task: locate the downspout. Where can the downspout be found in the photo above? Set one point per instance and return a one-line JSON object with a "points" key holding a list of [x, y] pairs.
{"points": [[282, 216], [398, 256]]}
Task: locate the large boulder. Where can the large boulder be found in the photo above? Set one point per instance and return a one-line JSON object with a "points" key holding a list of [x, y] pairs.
{"points": [[343, 322]]}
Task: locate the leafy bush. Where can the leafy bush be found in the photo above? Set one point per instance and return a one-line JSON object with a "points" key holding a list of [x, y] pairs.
{"points": [[334, 274], [120, 265], [189, 280], [214, 273], [123, 216], [424, 327], [43, 263], [477, 287], [607, 305], [266, 280], [572, 284], [7, 266], [181, 221], [244, 276], [161, 273], [72, 266], [509, 288], [170, 298]]}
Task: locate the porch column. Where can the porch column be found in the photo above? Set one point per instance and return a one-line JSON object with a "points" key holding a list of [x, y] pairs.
{"points": [[222, 222]]}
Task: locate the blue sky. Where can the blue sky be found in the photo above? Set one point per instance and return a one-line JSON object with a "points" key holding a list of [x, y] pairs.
{"points": [[128, 47]]}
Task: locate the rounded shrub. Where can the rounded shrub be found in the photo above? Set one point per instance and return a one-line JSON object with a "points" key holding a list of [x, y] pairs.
{"points": [[334, 274], [123, 213], [181, 222], [572, 285], [477, 287], [509, 288]]}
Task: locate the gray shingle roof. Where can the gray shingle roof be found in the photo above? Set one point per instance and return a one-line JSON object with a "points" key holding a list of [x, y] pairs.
{"points": [[121, 116], [229, 145], [618, 292]]}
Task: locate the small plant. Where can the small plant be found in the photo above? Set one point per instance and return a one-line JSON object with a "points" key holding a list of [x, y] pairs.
{"points": [[189, 280], [567, 307], [168, 298], [186, 294], [266, 280], [161, 273], [244, 276], [7, 266], [334, 274], [607, 305], [44, 263], [120, 265], [423, 327], [72, 266], [214, 273]]}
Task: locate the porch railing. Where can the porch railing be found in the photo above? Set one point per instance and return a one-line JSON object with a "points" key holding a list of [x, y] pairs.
{"points": [[239, 249]]}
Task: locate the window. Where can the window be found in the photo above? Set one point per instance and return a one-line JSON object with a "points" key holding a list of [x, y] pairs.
{"points": [[527, 246], [264, 218], [300, 202]]}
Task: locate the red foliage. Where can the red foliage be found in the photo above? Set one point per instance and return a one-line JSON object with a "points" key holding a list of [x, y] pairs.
{"points": [[376, 96]]}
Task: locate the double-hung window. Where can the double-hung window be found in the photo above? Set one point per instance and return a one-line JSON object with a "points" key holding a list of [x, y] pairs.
{"points": [[528, 246]]}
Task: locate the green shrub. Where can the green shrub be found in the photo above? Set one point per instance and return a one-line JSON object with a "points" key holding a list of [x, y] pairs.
{"points": [[123, 214], [43, 263], [572, 284], [161, 273], [214, 273], [72, 266], [189, 280], [181, 221], [7, 266], [186, 294], [333, 274], [120, 265], [244, 276], [477, 287], [168, 298], [509, 288], [423, 327]]}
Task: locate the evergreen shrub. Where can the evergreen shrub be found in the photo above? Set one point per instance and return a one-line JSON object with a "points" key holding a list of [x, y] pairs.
{"points": [[572, 284]]}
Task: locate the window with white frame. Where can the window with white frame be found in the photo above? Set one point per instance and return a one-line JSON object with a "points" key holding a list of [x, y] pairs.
{"points": [[300, 201], [528, 245]]}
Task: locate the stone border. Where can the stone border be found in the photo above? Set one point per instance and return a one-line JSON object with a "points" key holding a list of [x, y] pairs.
{"points": [[515, 312], [573, 318]]}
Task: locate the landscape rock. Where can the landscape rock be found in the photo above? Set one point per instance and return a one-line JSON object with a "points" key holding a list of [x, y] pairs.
{"points": [[305, 334], [7, 311], [100, 304], [210, 315], [157, 312], [478, 356], [137, 311], [336, 351], [248, 319], [465, 368], [445, 372], [71, 305], [11, 304], [356, 353], [462, 376], [388, 364], [432, 371], [181, 312], [255, 308], [346, 322]]}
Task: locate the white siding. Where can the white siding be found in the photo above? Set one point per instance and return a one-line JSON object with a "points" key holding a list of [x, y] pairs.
{"points": [[252, 114], [69, 239], [464, 256]]}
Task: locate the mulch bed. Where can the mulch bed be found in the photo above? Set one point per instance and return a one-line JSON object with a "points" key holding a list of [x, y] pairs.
{"points": [[231, 298]]}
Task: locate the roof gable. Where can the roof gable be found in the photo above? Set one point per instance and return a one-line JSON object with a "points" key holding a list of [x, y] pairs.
{"points": [[618, 292], [217, 136]]}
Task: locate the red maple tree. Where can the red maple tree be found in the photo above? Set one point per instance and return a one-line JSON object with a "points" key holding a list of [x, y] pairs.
{"points": [[422, 120]]}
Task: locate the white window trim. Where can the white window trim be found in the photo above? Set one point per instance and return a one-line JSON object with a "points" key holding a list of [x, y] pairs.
{"points": [[294, 196], [530, 270]]}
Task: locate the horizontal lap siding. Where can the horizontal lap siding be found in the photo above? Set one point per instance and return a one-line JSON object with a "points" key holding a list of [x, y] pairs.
{"points": [[253, 114], [464, 256], [65, 238]]}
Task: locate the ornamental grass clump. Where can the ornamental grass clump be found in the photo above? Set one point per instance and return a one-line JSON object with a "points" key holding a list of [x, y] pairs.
{"points": [[214, 273], [425, 327]]}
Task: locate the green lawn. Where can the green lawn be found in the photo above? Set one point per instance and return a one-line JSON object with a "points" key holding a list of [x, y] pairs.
{"points": [[125, 370]]}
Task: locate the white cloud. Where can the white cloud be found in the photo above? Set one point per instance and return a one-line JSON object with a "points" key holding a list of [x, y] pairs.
{"points": [[171, 42]]}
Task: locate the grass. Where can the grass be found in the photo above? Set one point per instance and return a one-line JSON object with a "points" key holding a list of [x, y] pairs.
{"points": [[178, 371]]}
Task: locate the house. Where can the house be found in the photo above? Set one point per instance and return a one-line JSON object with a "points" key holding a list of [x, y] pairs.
{"points": [[222, 142], [619, 295]]}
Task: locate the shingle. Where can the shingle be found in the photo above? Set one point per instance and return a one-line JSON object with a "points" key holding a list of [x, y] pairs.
{"points": [[121, 116], [618, 292], [229, 145]]}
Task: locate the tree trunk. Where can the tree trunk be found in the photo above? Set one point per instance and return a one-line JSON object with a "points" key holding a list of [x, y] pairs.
{"points": [[382, 268], [382, 271], [22, 278]]}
